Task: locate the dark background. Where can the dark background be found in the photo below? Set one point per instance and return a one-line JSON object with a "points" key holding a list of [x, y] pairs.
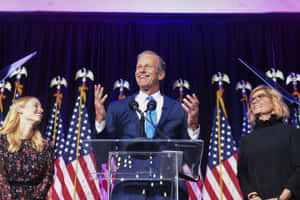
{"points": [[194, 46]]}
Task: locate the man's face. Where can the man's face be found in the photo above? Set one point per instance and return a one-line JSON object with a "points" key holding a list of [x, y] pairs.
{"points": [[147, 74]]}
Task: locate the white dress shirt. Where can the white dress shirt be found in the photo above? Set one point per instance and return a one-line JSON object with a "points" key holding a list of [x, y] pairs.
{"points": [[140, 98]]}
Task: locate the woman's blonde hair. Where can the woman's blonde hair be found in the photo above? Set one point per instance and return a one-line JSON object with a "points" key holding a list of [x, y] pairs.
{"points": [[280, 109], [12, 130]]}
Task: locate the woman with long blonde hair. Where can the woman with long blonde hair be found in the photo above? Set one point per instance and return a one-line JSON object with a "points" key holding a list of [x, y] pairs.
{"points": [[269, 157], [26, 159]]}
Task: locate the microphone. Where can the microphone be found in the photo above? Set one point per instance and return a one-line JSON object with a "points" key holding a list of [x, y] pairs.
{"points": [[133, 105], [151, 105]]}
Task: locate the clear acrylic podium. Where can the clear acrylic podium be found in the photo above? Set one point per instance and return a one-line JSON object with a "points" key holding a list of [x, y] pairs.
{"points": [[148, 165]]}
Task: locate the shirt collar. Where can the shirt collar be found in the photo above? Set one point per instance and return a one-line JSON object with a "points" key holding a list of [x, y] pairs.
{"points": [[142, 96]]}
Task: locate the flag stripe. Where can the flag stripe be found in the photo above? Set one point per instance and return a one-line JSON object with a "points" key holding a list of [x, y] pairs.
{"points": [[194, 188], [64, 179], [56, 192], [84, 163], [216, 174], [56, 189], [212, 185], [79, 190], [230, 165], [210, 191], [230, 180], [233, 163], [83, 177]]}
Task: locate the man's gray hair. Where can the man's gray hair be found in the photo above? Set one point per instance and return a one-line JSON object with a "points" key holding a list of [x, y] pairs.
{"points": [[161, 64]]}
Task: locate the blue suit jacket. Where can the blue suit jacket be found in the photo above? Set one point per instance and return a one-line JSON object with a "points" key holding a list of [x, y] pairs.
{"points": [[123, 123]]}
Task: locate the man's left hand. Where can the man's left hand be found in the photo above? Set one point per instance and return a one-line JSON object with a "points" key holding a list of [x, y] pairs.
{"points": [[191, 106]]}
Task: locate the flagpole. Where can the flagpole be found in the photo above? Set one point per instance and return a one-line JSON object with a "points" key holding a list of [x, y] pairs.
{"points": [[15, 92], [54, 136], [220, 101], [2, 96], [219, 148], [82, 95]]}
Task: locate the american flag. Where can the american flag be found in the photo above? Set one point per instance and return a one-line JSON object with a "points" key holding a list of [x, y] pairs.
{"points": [[87, 186], [228, 188], [194, 188], [59, 189], [246, 126]]}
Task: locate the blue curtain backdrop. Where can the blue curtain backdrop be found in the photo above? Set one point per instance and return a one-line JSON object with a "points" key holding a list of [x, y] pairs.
{"points": [[194, 46]]}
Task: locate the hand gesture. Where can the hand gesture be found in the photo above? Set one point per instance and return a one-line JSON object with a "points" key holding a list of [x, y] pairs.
{"points": [[191, 106], [99, 100]]}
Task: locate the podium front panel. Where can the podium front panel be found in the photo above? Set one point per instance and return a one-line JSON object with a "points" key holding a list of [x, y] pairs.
{"points": [[145, 165]]}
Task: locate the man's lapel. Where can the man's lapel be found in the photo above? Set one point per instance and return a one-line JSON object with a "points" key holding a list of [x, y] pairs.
{"points": [[167, 106]]}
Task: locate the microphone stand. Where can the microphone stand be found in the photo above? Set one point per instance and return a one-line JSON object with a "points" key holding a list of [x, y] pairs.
{"points": [[142, 125], [133, 105]]}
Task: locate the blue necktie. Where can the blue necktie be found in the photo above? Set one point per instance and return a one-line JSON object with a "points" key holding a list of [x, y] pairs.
{"points": [[149, 129]]}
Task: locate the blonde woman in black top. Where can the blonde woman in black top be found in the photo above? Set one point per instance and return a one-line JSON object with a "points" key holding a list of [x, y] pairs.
{"points": [[269, 157]]}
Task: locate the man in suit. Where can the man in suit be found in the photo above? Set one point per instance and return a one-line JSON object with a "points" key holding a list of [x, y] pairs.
{"points": [[176, 120]]}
